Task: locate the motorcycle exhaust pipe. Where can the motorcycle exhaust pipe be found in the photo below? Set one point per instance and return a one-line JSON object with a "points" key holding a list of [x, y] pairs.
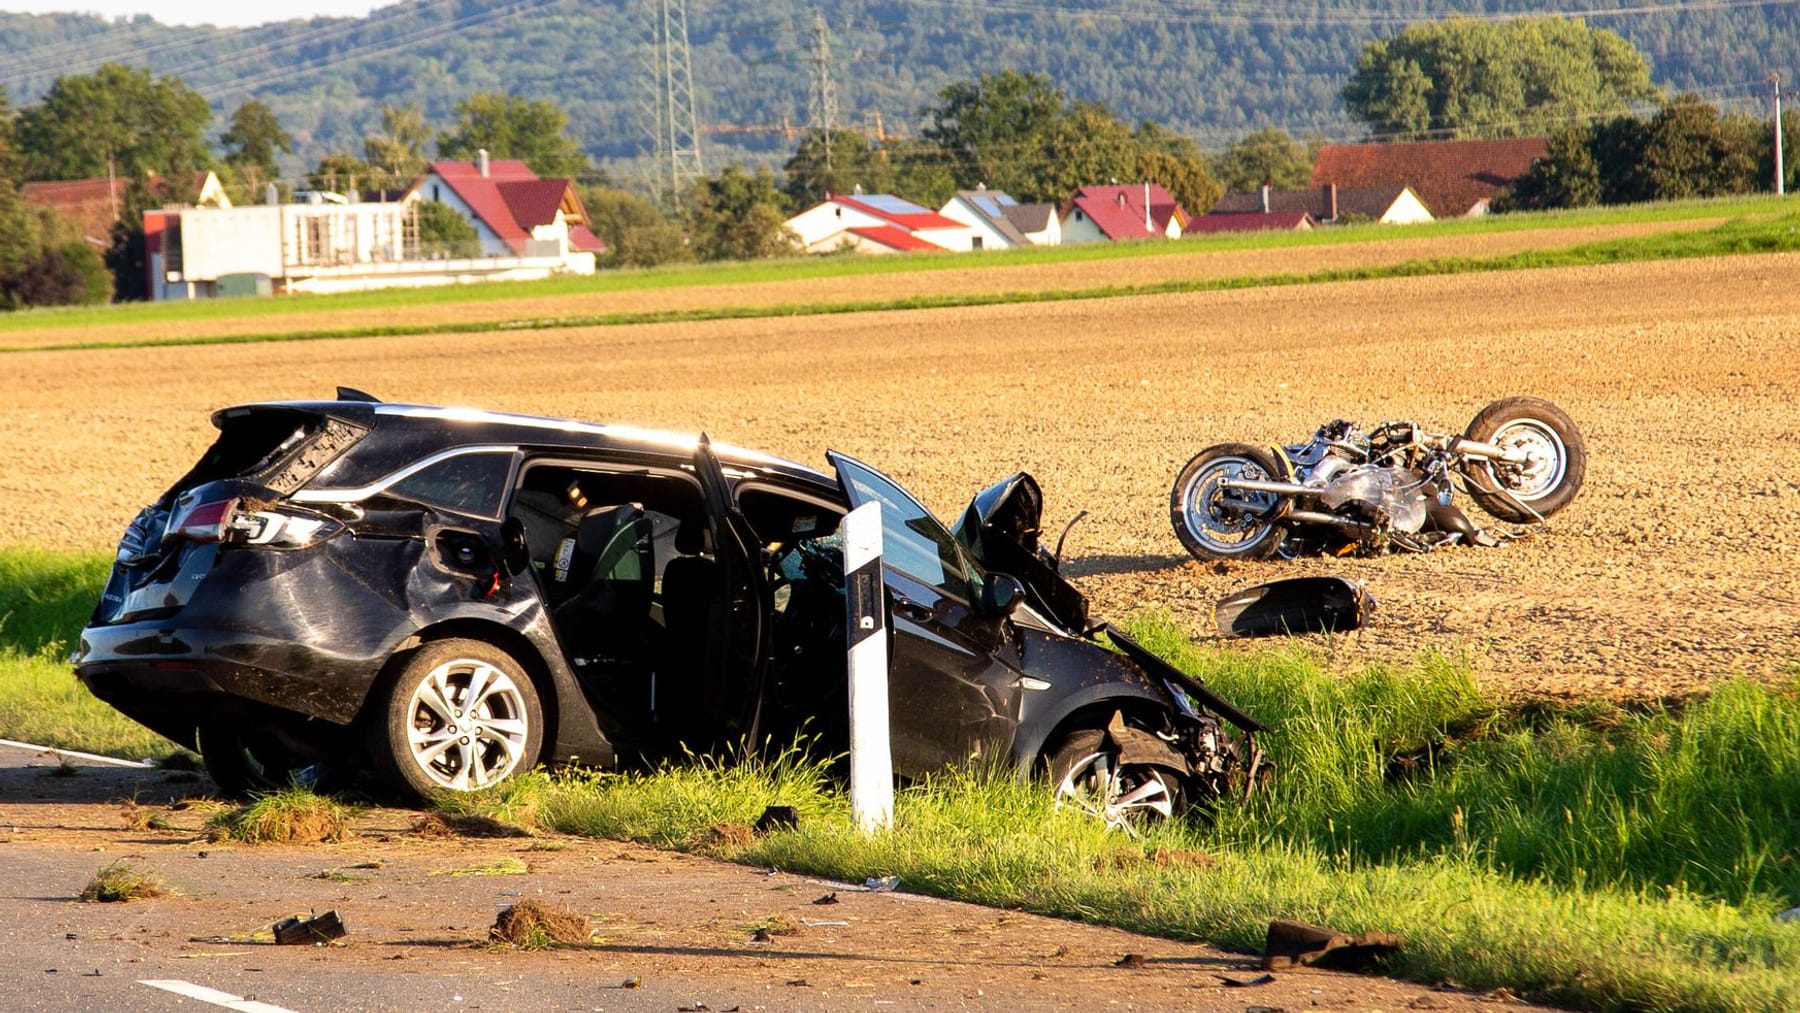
{"points": [[1258, 485], [1349, 524]]}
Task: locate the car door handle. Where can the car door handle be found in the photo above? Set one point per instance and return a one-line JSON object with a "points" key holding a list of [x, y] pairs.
{"points": [[911, 610]]}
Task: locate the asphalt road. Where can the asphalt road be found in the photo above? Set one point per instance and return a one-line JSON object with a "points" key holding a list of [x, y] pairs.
{"points": [[671, 932]]}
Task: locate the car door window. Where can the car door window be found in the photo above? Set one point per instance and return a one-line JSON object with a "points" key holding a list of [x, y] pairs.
{"points": [[913, 541]]}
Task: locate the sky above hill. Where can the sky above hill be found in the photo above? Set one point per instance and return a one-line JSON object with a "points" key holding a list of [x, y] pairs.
{"points": [[224, 13]]}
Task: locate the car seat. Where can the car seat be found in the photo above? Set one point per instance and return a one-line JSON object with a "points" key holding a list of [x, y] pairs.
{"points": [[696, 614], [601, 599]]}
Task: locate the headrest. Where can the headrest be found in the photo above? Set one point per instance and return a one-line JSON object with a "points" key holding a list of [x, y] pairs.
{"points": [[598, 527], [690, 538]]}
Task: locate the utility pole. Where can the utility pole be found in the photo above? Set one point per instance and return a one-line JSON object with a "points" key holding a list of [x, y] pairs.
{"points": [[666, 107], [1780, 173], [821, 99]]}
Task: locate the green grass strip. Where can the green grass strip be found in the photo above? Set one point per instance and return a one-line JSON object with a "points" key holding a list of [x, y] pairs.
{"points": [[677, 276], [1742, 236], [45, 600]]}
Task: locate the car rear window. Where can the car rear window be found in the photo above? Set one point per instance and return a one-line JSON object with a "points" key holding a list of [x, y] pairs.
{"points": [[279, 448]]}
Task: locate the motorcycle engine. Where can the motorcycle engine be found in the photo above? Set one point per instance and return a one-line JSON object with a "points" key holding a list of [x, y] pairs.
{"points": [[1388, 497]]}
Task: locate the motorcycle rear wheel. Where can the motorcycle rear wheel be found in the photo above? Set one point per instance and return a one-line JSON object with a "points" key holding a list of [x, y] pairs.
{"points": [[1523, 494], [1206, 526]]}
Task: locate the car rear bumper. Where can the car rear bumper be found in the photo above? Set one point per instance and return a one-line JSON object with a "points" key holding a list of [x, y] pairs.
{"points": [[170, 678]]}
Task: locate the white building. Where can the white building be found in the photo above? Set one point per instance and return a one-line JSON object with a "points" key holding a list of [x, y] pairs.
{"points": [[319, 247], [1000, 222], [878, 223]]}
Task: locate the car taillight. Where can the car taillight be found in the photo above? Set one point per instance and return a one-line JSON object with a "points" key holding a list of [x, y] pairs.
{"points": [[230, 522], [205, 522], [283, 529]]}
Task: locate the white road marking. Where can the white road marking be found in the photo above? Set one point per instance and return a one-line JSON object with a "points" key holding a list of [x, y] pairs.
{"points": [[95, 757], [213, 996]]}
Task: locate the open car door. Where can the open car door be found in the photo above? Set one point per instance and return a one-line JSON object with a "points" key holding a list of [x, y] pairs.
{"points": [[953, 684], [732, 691]]}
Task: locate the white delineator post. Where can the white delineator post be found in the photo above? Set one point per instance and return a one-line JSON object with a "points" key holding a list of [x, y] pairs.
{"points": [[865, 602]]}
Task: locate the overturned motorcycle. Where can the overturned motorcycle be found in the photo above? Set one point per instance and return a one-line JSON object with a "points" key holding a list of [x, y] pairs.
{"points": [[1521, 459]]}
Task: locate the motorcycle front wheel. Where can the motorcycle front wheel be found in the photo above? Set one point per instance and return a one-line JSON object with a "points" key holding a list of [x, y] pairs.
{"points": [[1547, 481], [1215, 524]]}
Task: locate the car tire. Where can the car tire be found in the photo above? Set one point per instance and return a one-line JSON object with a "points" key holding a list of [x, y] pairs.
{"points": [[1086, 774], [427, 736], [250, 761]]}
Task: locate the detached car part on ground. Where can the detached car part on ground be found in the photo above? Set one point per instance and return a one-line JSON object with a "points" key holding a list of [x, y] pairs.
{"points": [[1390, 489], [454, 596]]}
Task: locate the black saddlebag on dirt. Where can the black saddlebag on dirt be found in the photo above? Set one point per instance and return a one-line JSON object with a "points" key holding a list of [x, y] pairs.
{"points": [[1295, 605]]}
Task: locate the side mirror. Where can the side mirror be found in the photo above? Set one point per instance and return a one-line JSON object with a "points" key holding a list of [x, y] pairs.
{"points": [[1000, 593]]}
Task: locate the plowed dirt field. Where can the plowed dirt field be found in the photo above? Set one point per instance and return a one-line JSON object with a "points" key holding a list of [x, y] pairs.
{"points": [[1676, 566]]}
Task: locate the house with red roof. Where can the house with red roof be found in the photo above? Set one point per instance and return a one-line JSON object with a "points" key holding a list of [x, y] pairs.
{"points": [[94, 205], [1453, 179], [1130, 211], [515, 213], [877, 223], [1250, 221]]}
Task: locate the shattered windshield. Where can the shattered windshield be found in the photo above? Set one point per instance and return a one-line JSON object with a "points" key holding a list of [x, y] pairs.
{"points": [[913, 541]]}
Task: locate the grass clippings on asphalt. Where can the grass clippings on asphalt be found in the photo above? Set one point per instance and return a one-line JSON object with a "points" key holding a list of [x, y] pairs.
{"points": [[506, 866], [289, 816], [117, 882], [538, 925]]}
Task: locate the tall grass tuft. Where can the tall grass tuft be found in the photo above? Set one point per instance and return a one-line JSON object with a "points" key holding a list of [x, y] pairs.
{"points": [[677, 805], [288, 816], [1381, 765]]}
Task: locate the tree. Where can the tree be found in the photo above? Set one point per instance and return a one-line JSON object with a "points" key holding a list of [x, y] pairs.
{"points": [[1519, 78], [853, 162], [118, 122], [508, 126], [636, 233], [1087, 145], [399, 149], [339, 172], [921, 172], [1268, 155], [992, 128], [738, 216], [444, 232], [1185, 179], [1690, 150], [1567, 175], [1618, 145], [254, 139]]}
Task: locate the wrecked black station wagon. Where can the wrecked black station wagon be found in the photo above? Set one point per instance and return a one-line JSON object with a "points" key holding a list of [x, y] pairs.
{"points": [[452, 596]]}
